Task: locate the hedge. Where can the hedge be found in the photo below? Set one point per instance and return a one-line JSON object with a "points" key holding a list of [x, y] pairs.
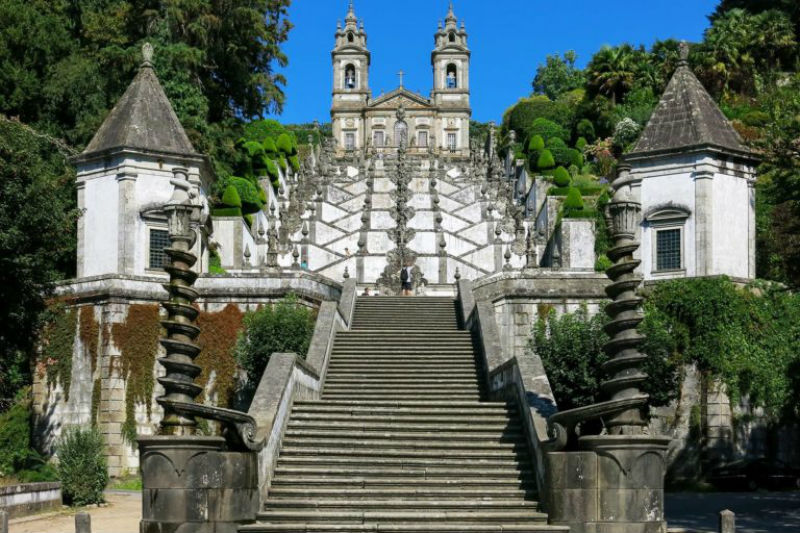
{"points": [[272, 169], [248, 192], [270, 147], [294, 161], [227, 212], [547, 129]]}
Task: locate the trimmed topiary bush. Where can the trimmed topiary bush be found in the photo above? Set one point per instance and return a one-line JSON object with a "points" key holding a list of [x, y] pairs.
{"points": [[231, 198], [272, 169], [545, 160], [561, 177], [574, 200], [581, 144], [282, 163], [294, 161], [82, 466], [270, 148], [248, 192], [284, 144], [536, 144]]}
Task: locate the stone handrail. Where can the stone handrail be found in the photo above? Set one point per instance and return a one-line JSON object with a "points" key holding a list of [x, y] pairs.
{"points": [[289, 377], [522, 382]]}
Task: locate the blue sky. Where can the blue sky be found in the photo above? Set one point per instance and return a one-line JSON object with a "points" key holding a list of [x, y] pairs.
{"points": [[508, 39]]}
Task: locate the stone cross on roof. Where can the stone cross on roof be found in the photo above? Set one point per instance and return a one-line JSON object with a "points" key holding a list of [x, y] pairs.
{"points": [[400, 75], [147, 53]]}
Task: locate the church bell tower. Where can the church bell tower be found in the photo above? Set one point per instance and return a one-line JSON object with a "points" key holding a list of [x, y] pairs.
{"points": [[450, 60], [351, 92]]}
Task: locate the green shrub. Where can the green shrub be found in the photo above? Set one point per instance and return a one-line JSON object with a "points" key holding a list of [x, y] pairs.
{"points": [[546, 129], [575, 157], [571, 348], [270, 148], [227, 212], [756, 119], [253, 148], [215, 263], [561, 177], [284, 144], [230, 197], [602, 263], [272, 169], [248, 193], [294, 161], [545, 160], [282, 163], [82, 466], [574, 200], [581, 144], [585, 129], [536, 144], [285, 327], [560, 151], [14, 437]]}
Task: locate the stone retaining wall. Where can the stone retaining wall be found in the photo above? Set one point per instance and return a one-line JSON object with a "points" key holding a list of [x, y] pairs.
{"points": [[29, 498]]}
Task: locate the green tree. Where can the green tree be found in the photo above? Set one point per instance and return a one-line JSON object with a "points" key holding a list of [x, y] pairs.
{"points": [[611, 71], [558, 75], [284, 327], [37, 240], [790, 7]]}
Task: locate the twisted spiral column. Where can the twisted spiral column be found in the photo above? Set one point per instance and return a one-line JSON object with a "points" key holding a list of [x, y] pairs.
{"points": [[181, 331], [624, 367]]}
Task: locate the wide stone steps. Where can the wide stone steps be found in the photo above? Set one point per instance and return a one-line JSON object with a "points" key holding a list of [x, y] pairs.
{"points": [[534, 526], [395, 517], [400, 440]]}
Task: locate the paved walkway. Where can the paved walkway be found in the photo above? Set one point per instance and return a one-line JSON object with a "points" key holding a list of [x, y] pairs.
{"points": [[121, 515], [756, 512]]}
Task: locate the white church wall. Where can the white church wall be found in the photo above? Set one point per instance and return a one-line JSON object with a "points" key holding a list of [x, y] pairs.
{"points": [[100, 220]]}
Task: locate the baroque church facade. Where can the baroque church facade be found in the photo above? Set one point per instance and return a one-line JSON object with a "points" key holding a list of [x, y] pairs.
{"points": [[439, 122], [401, 183]]}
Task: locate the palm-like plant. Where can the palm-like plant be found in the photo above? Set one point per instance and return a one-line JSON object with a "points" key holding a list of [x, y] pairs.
{"points": [[611, 71]]}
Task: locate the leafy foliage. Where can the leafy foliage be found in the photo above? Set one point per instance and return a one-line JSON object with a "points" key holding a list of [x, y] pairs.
{"points": [[561, 177], [558, 75], [217, 339], [37, 239], [284, 327], [571, 348], [574, 200], [17, 456], [82, 466]]}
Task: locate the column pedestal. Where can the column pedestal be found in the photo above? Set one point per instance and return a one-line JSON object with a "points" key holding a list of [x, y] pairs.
{"points": [[190, 484]]}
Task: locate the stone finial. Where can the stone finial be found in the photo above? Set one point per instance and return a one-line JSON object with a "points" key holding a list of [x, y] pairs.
{"points": [[147, 55], [458, 274], [684, 51], [247, 252], [346, 273]]}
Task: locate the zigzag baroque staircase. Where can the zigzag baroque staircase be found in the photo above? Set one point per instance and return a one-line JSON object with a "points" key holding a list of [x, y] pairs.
{"points": [[400, 440]]}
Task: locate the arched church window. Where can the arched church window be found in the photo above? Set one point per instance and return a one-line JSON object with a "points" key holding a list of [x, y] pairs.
{"points": [[452, 37], [350, 77], [452, 76], [401, 133], [350, 38]]}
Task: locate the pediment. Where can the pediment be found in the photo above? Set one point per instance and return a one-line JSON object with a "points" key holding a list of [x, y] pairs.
{"points": [[393, 100]]}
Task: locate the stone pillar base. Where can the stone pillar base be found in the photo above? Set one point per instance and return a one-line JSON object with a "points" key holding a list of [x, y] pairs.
{"points": [[190, 484], [614, 485]]}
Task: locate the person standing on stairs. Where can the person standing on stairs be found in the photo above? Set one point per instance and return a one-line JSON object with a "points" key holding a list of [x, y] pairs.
{"points": [[406, 278]]}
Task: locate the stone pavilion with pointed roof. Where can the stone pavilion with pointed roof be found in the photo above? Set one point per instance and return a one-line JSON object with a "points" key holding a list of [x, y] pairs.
{"points": [[696, 180], [123, 180], [438, 122]]}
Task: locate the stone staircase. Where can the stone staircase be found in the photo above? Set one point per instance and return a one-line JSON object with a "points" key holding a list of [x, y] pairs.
{"points": [[400, 440]]}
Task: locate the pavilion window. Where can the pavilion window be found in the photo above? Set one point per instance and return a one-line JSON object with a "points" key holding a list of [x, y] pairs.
{"points": [[378, 139], [349, 141], [669, 249], [422, 139], [451, 142], [159, 240]]}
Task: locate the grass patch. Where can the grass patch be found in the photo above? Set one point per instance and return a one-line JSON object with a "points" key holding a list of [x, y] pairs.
{"points": [[127, 483]]}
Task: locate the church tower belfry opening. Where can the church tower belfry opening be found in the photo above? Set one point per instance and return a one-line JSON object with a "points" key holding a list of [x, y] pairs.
{"points": [[438, 123]]}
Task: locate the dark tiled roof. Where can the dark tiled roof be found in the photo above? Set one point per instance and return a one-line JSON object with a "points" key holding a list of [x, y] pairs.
{"points": [[143, 119], [687, 117]]}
